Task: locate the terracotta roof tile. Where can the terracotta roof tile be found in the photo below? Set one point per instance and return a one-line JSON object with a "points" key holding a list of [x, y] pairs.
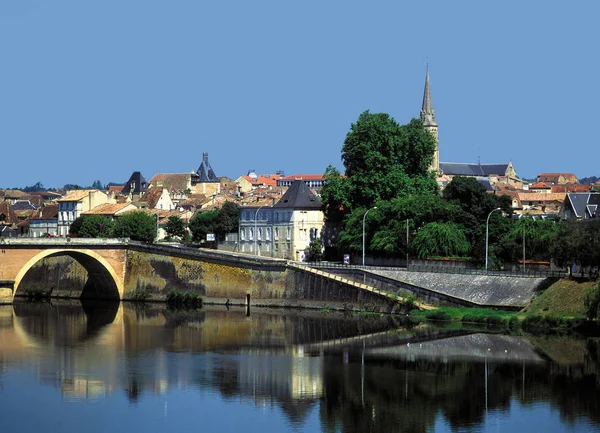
{"points": [[109, 209], [76, 195]]}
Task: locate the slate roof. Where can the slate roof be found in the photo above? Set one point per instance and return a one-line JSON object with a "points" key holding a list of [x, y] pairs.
{"points": [[205, 172], [23, 205], [136, 184], [299, 196], [578, 202], [464, 169]]}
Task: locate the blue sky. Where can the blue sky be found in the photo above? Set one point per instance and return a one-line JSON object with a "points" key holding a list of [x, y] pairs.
{"points": [[98, 89]]}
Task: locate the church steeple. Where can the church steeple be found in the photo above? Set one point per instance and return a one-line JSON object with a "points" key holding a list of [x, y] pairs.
{"points": [[429, 122], [427, 111]]}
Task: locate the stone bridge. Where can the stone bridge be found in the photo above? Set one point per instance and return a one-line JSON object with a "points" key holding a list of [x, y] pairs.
{"points": [[121, 269]]}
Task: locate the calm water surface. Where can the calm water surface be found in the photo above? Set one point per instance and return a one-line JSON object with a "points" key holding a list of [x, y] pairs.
{"points": [[68, 367]]}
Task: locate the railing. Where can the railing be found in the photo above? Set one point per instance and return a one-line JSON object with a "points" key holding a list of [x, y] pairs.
{"points": [[443, 269]]}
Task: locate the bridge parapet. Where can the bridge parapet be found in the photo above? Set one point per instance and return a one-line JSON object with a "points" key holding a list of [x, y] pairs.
{"points": [[63, 242]]}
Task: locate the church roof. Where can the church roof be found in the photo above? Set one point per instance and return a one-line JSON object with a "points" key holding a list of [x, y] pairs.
{"points": [[205, 172], [464, 169], [299, 196]]}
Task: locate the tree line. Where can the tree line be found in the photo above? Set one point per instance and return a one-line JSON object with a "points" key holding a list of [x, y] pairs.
{"points": [[141, 226], [388, 175]]}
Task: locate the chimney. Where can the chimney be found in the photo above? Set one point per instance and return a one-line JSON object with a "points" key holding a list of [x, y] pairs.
{"points": [[205, 157]]}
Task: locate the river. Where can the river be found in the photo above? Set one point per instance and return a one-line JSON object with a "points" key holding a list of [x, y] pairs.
{"points": [[119, 367]]}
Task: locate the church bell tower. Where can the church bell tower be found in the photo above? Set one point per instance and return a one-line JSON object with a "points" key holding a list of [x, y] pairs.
{"points": [[429, 122]]}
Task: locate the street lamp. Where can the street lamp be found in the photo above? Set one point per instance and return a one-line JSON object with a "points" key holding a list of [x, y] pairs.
{"points": [[255, 229], [487, 224], [363, 249]]}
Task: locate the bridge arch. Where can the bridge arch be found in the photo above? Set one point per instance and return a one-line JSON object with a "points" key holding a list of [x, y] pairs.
{"points": [[98, 268]]}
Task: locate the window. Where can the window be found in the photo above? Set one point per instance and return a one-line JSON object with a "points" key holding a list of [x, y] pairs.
{"points": [[268, 234], [259, 233], [243, 234], [251, 234], [276, 233], [288, 234]]}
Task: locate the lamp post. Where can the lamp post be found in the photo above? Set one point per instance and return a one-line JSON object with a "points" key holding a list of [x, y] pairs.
{"points": [[487, 225], [255, 229], [363, 234]]}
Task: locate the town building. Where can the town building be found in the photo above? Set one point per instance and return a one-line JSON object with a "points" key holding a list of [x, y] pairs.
{"points": [[45, 222], [77, 202], [285, 229], [313, 181]]}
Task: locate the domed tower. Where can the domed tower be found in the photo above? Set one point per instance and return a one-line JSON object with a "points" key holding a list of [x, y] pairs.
{"points": [[429, 122]]}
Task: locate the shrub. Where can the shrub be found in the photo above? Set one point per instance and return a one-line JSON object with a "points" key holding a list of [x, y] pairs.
{"points": [[438, 315], [591, 302], [183, 299]]}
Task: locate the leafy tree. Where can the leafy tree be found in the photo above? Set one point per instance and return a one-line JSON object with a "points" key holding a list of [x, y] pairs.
{"points": [[34, 188], [335, 195], [175, 227], [591, 301], [537, 234], [203, 223], [382, 158], [315, 251], [136, 225], [383, 161], [577, 242], [95, 226], [76, 226], [228, 219], [392, 216], [97, 185], [441, 239]]}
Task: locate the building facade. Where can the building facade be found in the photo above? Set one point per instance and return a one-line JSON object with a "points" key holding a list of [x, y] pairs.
{"points": [[75, 203], [285, 229]]}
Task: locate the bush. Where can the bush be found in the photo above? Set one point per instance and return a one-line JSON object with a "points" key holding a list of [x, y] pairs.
{"points": [[183, 299], [438, 315], [470, 318], [591, 302]]}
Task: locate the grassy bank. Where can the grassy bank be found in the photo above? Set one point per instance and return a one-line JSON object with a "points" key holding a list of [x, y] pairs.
{"points": [[558, 308]]}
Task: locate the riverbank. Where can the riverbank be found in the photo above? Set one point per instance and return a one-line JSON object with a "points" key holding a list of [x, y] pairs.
{"points": [[559, 308]]}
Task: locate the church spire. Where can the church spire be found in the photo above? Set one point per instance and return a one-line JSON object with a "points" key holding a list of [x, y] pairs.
{"points": [[427, 111], [429, 122]]}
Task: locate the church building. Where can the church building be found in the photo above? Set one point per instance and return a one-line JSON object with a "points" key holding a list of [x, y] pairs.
{"points": [[485, 173]]}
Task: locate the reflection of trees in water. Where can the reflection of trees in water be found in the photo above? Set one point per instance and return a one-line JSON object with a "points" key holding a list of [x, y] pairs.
{"points": [[408, 396]]}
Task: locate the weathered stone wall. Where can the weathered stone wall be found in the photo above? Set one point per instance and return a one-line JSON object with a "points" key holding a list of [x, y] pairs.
{"points": [[152, 272], [481, 290]]}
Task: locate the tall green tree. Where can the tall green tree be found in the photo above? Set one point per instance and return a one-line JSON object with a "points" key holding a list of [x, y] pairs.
{"points": [[95, 226], [203, 223], [382, 158], [175, 227], [442, 239], [228, 219], [137, 225], [537, 235], [383, 161]]}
